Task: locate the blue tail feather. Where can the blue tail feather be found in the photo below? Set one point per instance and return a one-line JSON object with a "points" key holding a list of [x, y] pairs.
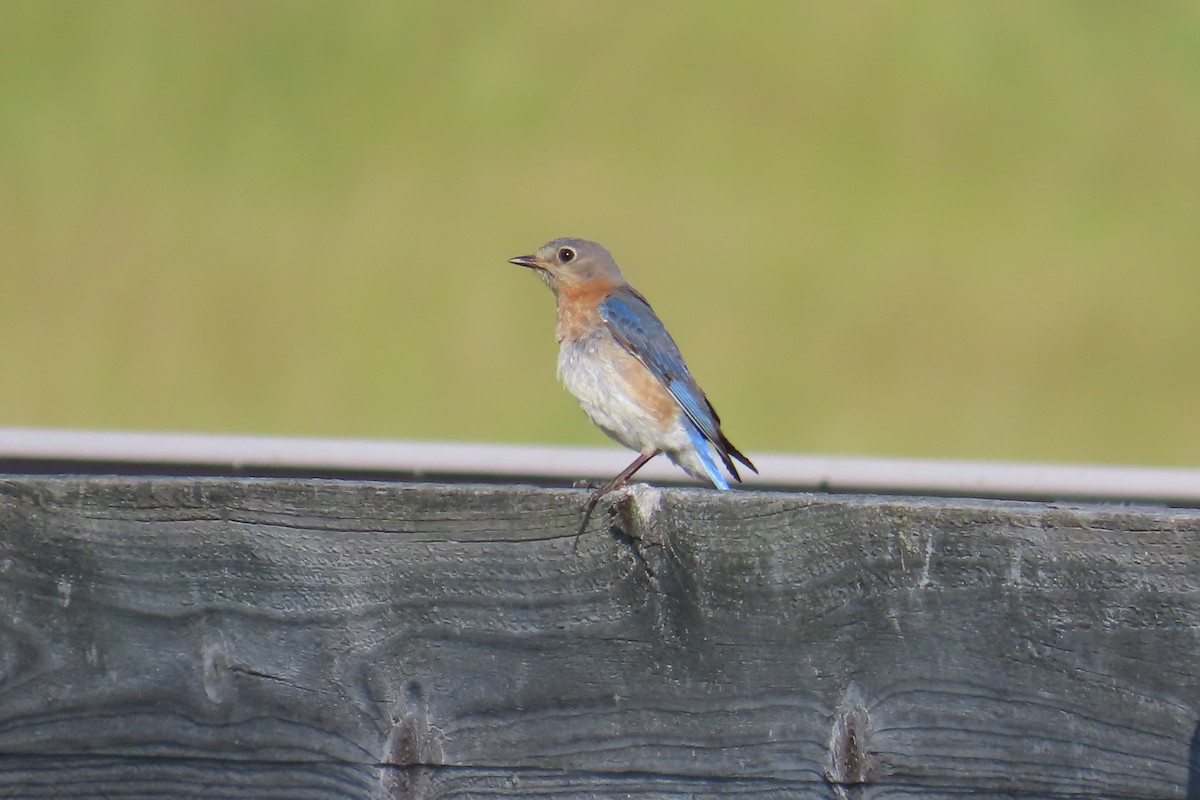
{"points": [[701, 446]]}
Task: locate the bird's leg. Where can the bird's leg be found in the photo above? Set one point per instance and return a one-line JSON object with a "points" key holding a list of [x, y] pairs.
{"points": [[615, 483], [619, 481]]}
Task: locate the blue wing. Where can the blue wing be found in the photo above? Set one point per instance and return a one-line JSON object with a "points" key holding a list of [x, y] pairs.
{"points": [[639, 330]]}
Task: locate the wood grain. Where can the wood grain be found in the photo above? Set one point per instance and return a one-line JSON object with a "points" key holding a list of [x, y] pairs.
{"points": [[286, 638]]}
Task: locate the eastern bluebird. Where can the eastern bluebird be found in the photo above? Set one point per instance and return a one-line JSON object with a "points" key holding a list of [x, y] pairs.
{"points": [[618, 360]]}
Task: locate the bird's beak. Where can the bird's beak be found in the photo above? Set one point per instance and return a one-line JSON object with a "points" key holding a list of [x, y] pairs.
{"points": [[526, 261]]}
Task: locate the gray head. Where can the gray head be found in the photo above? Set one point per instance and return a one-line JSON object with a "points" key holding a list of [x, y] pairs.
{"points": [[572, 264]]}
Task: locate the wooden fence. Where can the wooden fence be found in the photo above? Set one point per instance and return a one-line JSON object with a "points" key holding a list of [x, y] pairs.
{"points": [[227, 637]]}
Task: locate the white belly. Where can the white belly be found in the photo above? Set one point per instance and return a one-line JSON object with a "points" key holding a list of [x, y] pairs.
{"points": [[606, 397]]}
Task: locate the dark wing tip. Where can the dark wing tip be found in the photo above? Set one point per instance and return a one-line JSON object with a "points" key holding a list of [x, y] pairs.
{"points": [[733, 451], [728, 452]]}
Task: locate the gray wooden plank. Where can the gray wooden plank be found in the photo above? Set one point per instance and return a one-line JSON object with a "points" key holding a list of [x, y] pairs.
{"points": [[235, 637], [98, 777], [94, 778]]}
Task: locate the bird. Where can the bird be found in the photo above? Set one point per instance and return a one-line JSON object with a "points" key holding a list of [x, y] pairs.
{"points": [[618, 360]]}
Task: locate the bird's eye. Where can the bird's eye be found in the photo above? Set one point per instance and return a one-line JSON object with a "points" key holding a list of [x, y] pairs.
{"points": [[566, 254]]}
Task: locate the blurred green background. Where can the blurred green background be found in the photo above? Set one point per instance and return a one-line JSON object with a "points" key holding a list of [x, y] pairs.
{"points": [[920, 229]]}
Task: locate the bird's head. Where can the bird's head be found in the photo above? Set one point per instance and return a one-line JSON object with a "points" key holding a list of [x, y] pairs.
{"points": [[571, 264]]}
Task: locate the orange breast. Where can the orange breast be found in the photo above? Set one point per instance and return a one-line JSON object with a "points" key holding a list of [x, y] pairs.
{"points": [[578, 311]]}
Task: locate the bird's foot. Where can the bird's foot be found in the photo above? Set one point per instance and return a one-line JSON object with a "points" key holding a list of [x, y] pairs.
{"points": [[615, 483], [588, 507]]}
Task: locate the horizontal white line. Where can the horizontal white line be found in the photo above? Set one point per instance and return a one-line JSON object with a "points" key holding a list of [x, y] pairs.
{"points": [[835, 473]]}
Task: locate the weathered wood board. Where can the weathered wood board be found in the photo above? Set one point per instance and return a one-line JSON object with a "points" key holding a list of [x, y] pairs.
{"points": [[285, 638]]}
